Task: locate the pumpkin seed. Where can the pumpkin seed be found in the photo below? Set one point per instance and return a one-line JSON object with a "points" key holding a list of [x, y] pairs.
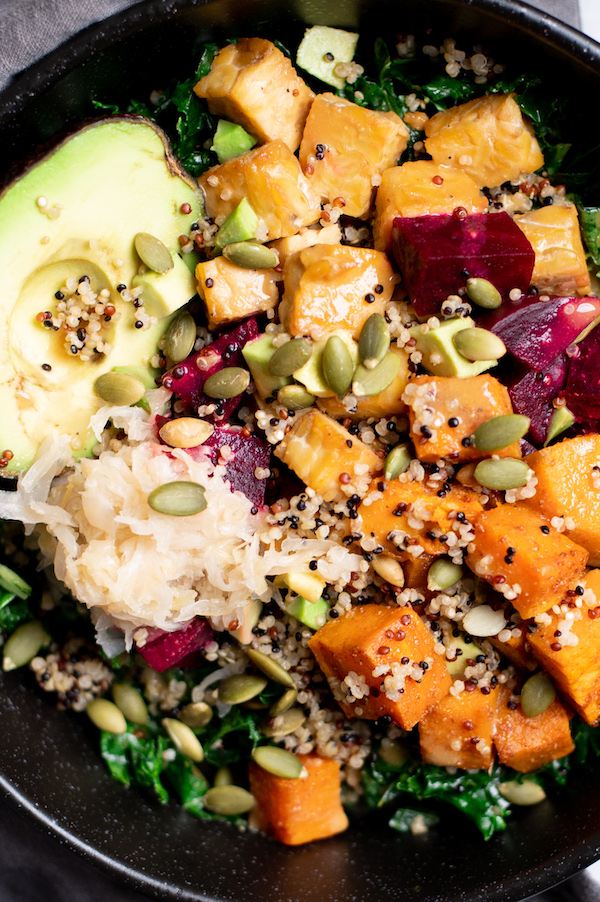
{"points": [[374, 341], [106, 716], [367, 383], [397, 461], [388, 569], [522, 792], [130, 702], [283, 724], [500, 432], [184, 739], [466, 475], [119, 389], [290, 356], [240, 687], [153, 253], [284, 702], [24, 644], [228, 801], [180, 337], [178, 499], [251, 255], [196, 714], [502, 475], [270, 668], [537, 694], [393, 752], [484, 621], [478, 344], [227, 383], [443, 573], [337, 365], [561, 419], [223, 777], [483, 293], [186, 432], [295, 397], [13, 583], [279, 762]]}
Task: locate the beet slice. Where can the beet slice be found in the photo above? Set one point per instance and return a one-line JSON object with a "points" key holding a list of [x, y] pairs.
{"points": [[250, 453], [532, 394], [582, 392], [536, 332], [437, 253], [163, 650], [187, 378]]}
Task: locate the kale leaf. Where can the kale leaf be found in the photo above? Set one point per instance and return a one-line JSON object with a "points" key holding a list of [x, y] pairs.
{"points": [[136, 759], [13, 612], [216, 739]]}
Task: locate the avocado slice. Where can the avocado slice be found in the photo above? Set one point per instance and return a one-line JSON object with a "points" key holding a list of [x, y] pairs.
{"points": [[231, 140], [71, 216], [440, 356], [257, 354]]}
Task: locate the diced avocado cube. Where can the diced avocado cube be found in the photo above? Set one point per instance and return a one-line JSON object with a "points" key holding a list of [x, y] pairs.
{"points": [[312, 614], [561, 419], [240, 225], [231, 140], [322, 48], [440, 357], [466, 650], [257, 354], [311, 374], [164, 293]]}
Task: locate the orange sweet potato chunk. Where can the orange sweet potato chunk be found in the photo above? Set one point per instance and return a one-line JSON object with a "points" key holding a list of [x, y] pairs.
{"points": [[525, 743], [457, 732], [541, 566], [387, 515], [436, 402], [387, 403], [302, 810], [560, 261], [396, 644], [231, 293]]}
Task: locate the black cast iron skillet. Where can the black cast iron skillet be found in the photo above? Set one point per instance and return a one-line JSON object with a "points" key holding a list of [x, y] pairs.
{"points": [[49, 762]]}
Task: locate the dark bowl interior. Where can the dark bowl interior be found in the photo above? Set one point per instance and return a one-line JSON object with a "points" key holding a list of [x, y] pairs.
{"points": [[49, 762]]}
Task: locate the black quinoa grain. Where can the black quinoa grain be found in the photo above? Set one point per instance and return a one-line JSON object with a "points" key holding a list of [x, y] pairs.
{"points": [[121, 287], [59, 295], [370, 298], [313, 565], [545, 529], [453, 422], [46, 367]]}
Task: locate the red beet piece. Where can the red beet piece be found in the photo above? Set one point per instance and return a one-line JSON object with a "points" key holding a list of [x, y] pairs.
{"points": [[582, 393], [532, 394], [187, 378], [437, 253], [163, 650], [249, 454], [536, 332]]}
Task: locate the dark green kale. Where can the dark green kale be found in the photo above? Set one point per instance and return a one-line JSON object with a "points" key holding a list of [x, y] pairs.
{"points": [[136, 757], [13, 612], [589, 220], [232, 738]]}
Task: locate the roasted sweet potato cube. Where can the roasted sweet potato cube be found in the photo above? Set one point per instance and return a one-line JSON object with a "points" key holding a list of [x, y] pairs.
{"points": [[568, 487], [524, 558], [436, 403], [487, 138], [381, 660], [334, 286], [387, 403], [421, 187], [319, 451], [308, 237], [345, 147], [415, 573], [569, 650], [269, 177], [457, 732], [560, 261], [405, 515], [254, 84], [231, 293], [301, 810], [525, 743]]}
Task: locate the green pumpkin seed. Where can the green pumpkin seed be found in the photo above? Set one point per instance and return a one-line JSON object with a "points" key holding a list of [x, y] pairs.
{"points": [[478, 344], [388, 569], [196, 714], [500, 432], [561, 419], [374, 341], [397, 461], [130, 702], [227, 383], [119, 389], [502, 475], [367, 383], [522, 792], [337, 365], [228, 801], [283, 724], [186, 432], [270, 668], [184, 739], [537, 694], [223, 777], [483, 293], [106, 716], [153, 253], [284, 702], [251, 255], [484, 621], [290, 356], [393, 752], [279, 762], [295, 397], [240, 688], [442, 574], [24, 644], [180, 337], [178, 499]]}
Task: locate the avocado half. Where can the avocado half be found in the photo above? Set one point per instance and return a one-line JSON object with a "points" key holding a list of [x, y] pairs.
{"points": [[75, 214]]}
